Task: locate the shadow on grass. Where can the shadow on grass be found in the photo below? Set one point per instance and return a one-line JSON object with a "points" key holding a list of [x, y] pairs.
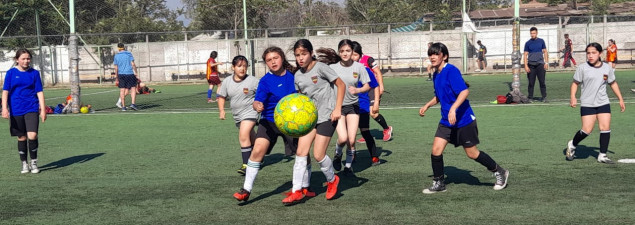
{"points": [[583, 152], [460, 176], [275, 158], [278, 191], [70, 161], [363, 160]]}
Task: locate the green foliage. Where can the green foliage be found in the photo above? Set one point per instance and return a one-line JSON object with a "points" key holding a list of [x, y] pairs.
{"points": [[443, 17], [387, 11]]}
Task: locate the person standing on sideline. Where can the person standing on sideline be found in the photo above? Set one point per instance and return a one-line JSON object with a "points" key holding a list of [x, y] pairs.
{"points": [[212, 76], [458, 123], [593, 77], [611, 53], [22, 100], [127, 76], [536, 65], [240, 89], [568, 52], [482, 62]]}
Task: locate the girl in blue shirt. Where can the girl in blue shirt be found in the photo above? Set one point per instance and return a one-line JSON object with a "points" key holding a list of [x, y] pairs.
{"points": [[22, 101], [276, 84], [458, 123]]}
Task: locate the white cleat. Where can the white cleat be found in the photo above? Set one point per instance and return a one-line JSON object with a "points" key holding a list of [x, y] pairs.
{"points": [[570, 150], [604, 159], [34, 168], [25, 168]]}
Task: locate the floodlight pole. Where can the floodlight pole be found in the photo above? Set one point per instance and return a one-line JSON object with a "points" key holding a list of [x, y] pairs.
{"points": [[516, 57], [245, 35], [74, 59]]}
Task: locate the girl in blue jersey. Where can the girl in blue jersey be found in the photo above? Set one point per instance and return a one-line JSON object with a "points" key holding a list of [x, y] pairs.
{"points": [[276, 84], [22, 101], [317, 81], [458, 123]]}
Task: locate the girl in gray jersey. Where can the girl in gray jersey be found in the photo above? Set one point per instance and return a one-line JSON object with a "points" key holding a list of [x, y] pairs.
{"points": [[241, 90], [351, 73], [317, 81], [593, 77]]}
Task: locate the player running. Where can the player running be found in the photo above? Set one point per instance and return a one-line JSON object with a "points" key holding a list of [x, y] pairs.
{"points": [[593, 77], [241, 90], [458, 124]]}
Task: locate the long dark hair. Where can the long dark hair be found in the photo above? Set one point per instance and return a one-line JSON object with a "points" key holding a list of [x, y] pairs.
{"points": [[306, 44], [330, 56], [357, 48], [285, 64], [20, 52], [239, 58], [597, 46], [439, 48]]}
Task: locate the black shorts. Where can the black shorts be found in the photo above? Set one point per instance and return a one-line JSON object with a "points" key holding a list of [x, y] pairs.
{"points": [[127, 81], [20, 125], [326, 128], [364, 120], [269, 131], [466, 136], [350, 109], [585, 111]]}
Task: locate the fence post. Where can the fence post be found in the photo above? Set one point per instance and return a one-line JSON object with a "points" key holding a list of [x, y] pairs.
{"points": [[389, 48], [148, 55]]}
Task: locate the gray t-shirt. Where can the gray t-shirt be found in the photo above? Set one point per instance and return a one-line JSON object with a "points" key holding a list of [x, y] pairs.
{"points": [[317, 83], [241, 95], [593, 83], [350, 76]]}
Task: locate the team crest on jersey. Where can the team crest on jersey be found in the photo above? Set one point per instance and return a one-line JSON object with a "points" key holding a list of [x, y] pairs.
{"points": [[314, 79], [246, 90], [606, 77], [355, 75]]}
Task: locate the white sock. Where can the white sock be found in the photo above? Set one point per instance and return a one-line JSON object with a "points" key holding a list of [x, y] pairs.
{"points": [[306, 181], [326, 165], [250, 174], [299, 169], [349, 158], [119, 101], [338, 149]]}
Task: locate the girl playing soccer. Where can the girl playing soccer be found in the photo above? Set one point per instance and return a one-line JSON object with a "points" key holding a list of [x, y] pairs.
{"points": [[22, 101], [241, 90], [212, 76], [351, 73], [593, 77], [276, 84], [458, 124], [611, 53], [316, 80]]}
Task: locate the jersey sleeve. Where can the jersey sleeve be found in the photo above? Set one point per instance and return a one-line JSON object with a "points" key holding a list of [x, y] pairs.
{"points": [[363, 75], [38, 81], [611, 77], [544, 46], [327, 73], [578, 75], [7, 81], [262, 91], [222, 91], [456, 81], [372, 63]]}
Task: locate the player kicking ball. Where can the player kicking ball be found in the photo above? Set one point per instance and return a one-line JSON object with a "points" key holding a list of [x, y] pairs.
{"points": [[593, 77], [458, 124]]}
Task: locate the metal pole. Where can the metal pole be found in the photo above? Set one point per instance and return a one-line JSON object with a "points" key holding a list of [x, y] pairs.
{"points": [[245, 35], [74, 57], [516, 45], [39, 44], [464, 40]]}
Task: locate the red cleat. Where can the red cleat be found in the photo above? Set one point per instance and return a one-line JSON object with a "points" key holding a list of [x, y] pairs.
{"points": [[361, 140], [293, 198], [242, 195], [376, 161], [305, 191], [331, 188], [388, 133]]}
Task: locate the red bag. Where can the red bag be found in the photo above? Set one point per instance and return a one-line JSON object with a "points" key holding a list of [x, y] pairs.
{"points": [[501, 99]]}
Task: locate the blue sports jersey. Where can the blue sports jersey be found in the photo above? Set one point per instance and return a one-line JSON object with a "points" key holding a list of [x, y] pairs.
{"points": [[23, 88], [123, 61], [447, 86], [271, 89], [364, 99], [534, 49]]}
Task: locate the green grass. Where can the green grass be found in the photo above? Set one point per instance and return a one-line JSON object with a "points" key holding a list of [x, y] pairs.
{"points": [[174, 162]]}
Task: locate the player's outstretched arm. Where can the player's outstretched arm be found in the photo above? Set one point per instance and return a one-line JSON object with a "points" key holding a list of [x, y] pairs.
{"points": [[424, 108]]}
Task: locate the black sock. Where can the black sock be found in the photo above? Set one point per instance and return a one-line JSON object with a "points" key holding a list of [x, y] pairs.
{"points": [[22, 150], [437, 166], [246, 153], [380, 119], [605, 137], [487, 161], [579, 136], [370, 143], [33, 144]]}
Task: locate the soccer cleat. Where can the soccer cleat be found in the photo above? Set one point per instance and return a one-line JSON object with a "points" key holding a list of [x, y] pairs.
{"points": [[477, 70], [570, 150], [242, 170], [123, 109], [337, 162], [331, 188], [604, 159], [484, 70], [438, 185], [25, 168], [388, 133], [348, 171], [209, 100], [118, 104], [501, 179], [307, 192], [376, 161], [242, 195], [361, 140], [293, 198], [134, 107], [34, 168]]}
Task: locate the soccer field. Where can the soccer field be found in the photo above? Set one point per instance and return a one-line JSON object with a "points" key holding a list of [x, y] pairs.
{"points": [[174, 162]]}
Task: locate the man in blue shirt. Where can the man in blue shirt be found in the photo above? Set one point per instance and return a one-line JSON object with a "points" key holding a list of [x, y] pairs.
{"points": [[536, 63], [127, 76]]}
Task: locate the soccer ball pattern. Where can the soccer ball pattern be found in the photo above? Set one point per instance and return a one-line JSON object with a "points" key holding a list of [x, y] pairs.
{"points": [[295, 115]]}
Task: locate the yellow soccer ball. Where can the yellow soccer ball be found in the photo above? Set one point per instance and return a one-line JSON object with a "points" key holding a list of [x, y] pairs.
{"points": [[295, 115], [83, 109]]}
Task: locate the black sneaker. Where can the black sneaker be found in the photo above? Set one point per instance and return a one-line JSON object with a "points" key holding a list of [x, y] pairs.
{"points": [[134, 107], [501, 179], [123, 109], [438, 185], [337, 162], [348, 171], [242, 170]]}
